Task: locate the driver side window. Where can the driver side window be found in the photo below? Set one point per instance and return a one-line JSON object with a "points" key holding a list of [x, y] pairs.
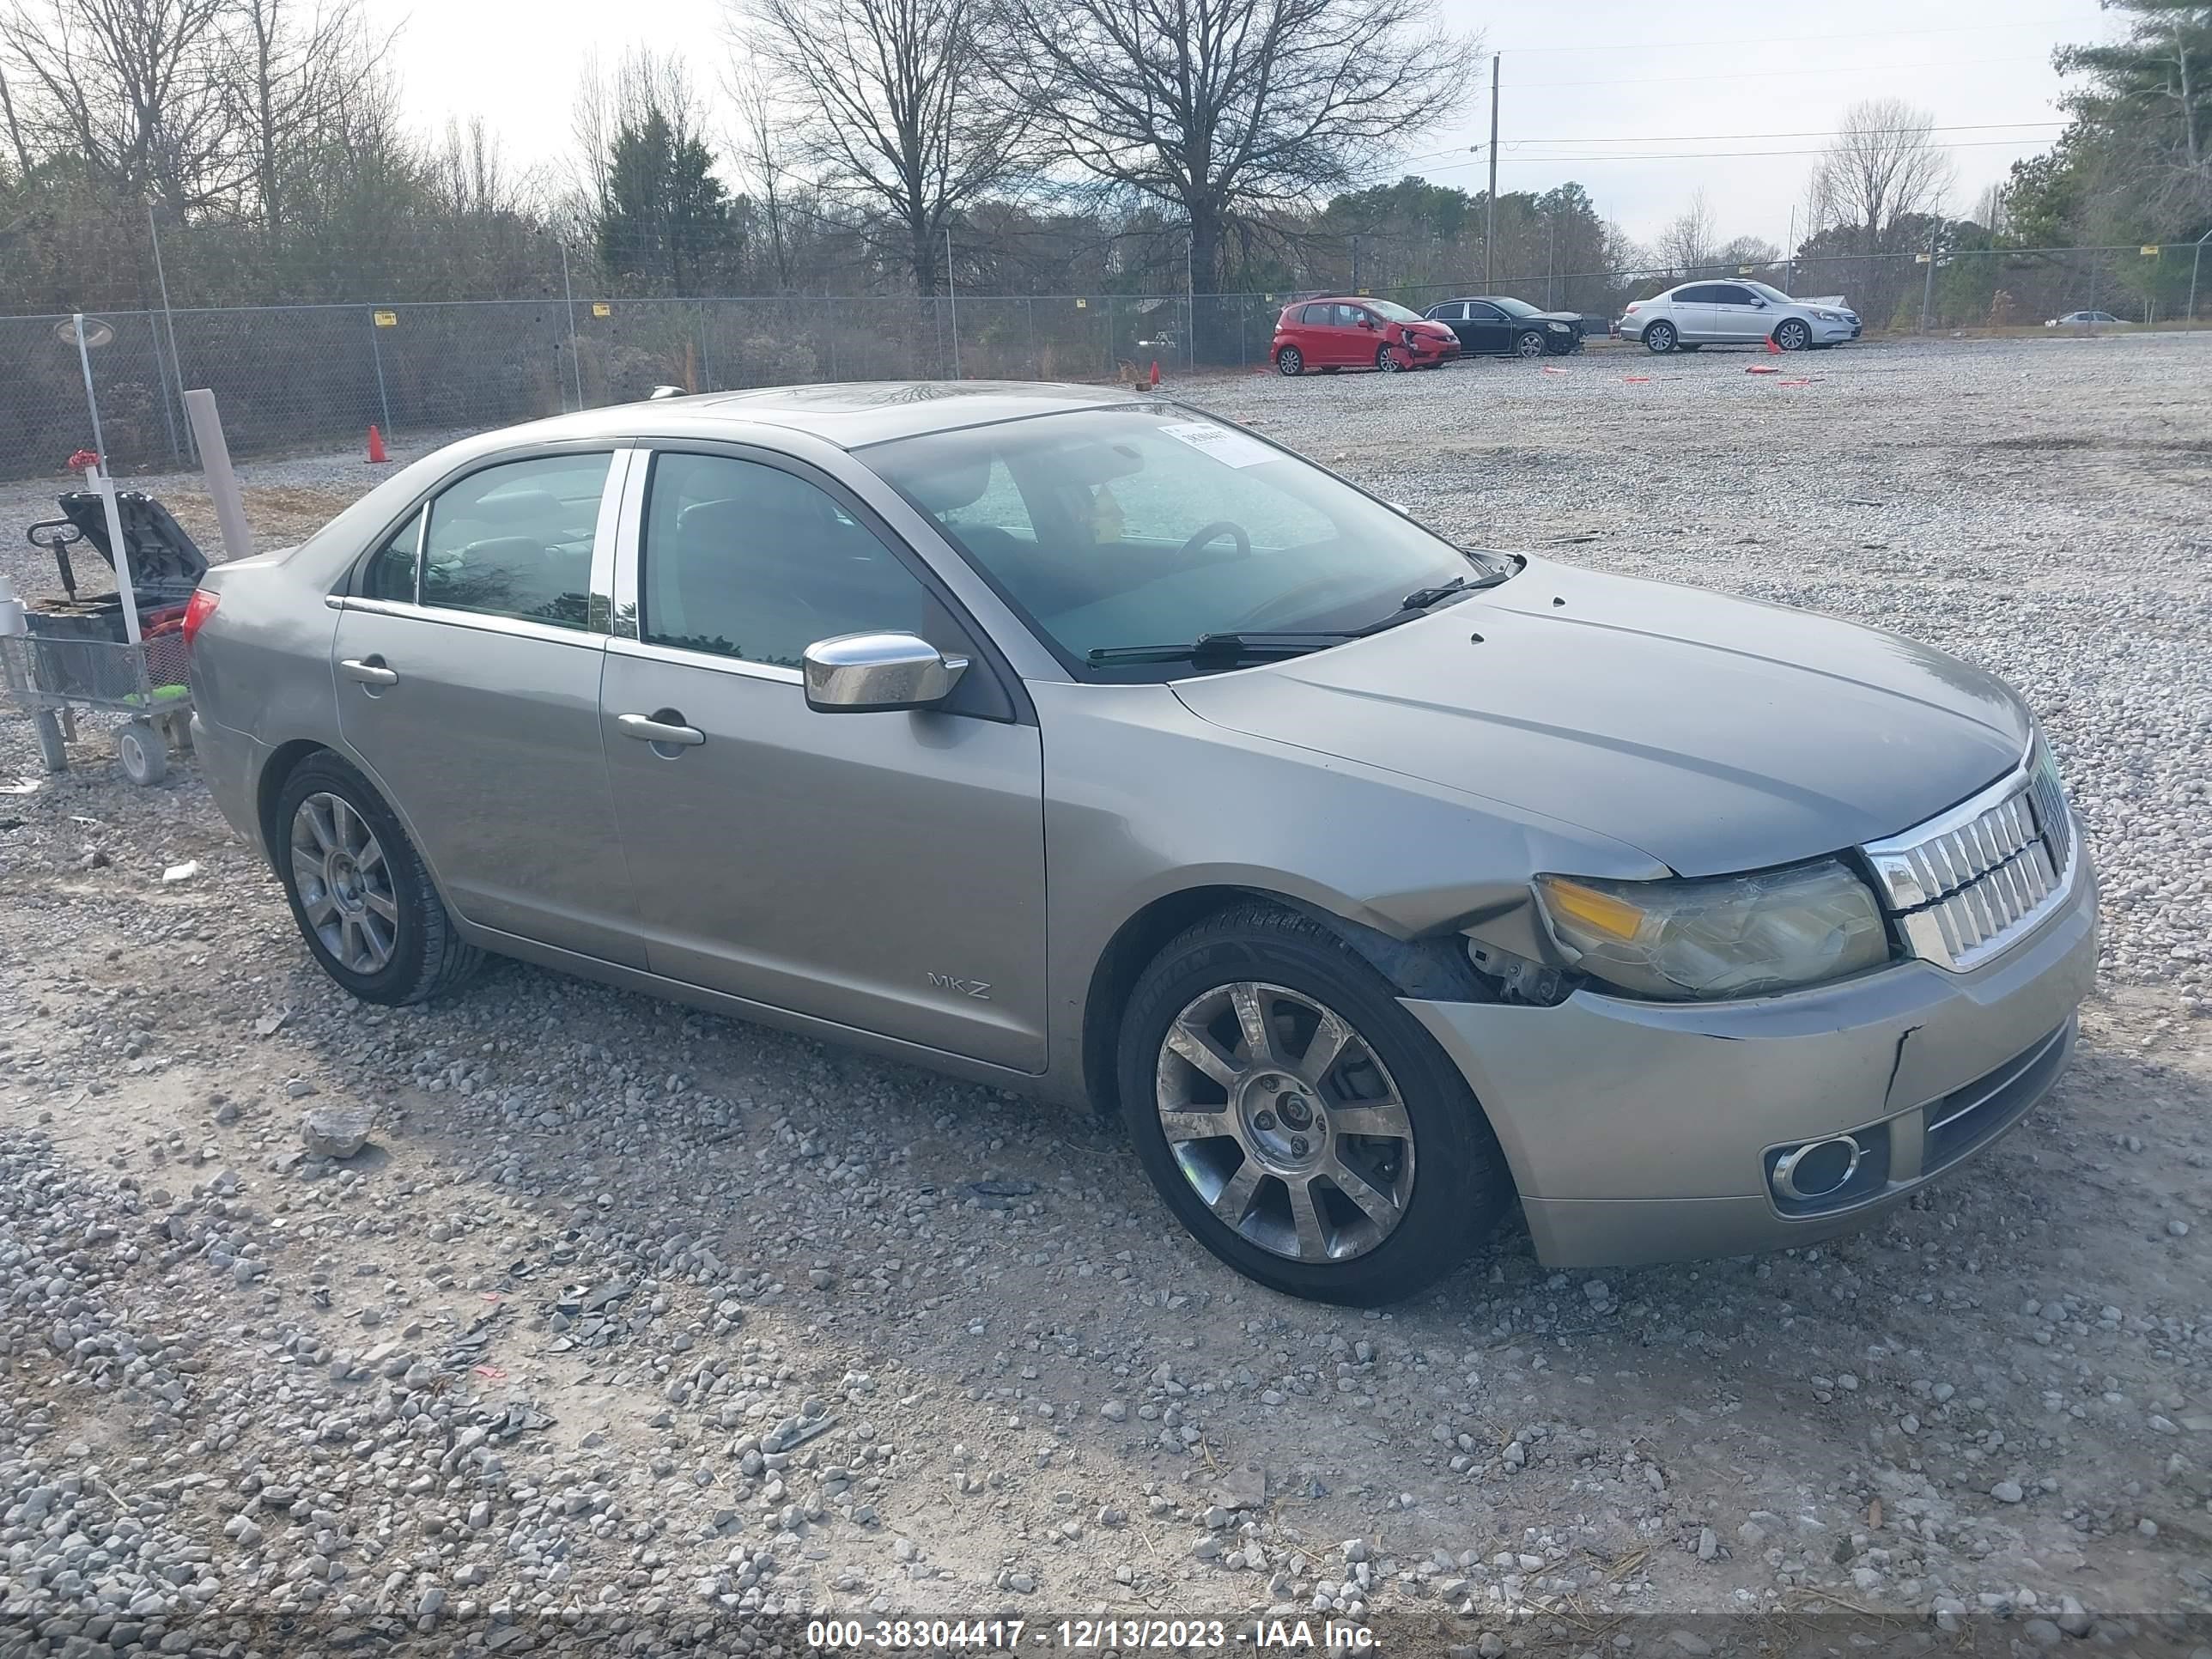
{"points": [[516, 540]]}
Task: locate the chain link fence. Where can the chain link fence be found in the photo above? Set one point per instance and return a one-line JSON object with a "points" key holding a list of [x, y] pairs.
{"points": [[297, 378]]}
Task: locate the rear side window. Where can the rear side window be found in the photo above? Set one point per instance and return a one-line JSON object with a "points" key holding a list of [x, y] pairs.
{"points": [[1704, 294], [1317, 316], [516, 540], [1453, 312]]}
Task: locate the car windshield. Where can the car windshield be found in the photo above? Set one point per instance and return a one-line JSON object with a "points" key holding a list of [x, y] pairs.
{"points": [[1110, 529], [1391, 311], [1515, 308], [1774, 293]]}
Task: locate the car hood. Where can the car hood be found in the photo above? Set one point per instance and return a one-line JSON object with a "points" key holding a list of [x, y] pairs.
{"points": [[1714, 734]]}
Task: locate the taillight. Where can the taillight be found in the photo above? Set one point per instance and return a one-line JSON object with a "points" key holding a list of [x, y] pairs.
{"points": [[201, 607], [1634, 309]]}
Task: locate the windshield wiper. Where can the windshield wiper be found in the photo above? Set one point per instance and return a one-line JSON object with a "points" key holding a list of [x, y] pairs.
{"points": [[1224, 650]]}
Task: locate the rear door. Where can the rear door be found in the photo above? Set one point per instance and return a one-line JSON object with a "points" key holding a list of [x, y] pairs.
{"points": [[1453, 315], [1690, 311], [882, 871], [468, 662]]}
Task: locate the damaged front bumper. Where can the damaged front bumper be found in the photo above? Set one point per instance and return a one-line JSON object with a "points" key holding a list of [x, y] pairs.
{"points": [[1644, 1132]]}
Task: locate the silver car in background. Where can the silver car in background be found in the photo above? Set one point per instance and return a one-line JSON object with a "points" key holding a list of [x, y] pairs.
{"points": [[1734, 312], [1089, 746]]}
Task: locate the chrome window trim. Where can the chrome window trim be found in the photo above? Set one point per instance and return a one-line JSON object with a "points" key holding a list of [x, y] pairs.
{"points": [[476, 621], [676, 656]]}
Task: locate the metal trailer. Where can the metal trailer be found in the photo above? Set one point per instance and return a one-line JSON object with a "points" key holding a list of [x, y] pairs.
{"points": [[122, 652]]}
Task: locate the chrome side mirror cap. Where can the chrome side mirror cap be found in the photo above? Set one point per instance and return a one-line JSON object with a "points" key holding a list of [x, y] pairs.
{"points": [[877, 673]]}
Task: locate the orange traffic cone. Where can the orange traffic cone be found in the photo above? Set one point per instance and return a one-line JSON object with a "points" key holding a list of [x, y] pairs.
{"points": [[1156, 373], [1771, 347], [376, 454]]}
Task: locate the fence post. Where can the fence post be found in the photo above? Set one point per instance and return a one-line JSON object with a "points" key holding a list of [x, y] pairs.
{"points": [[168, 418], [376, 356], [169, 318]]}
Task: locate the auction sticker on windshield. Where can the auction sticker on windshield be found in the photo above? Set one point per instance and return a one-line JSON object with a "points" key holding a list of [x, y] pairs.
{"points": [[1230, 448]]}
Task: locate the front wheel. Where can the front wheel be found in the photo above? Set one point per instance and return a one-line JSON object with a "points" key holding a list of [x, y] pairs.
{"points": [[1299, 1122], [1529, 343], [1792, 335], [1387, 360], [360, 892], [1290, 361], [1659, 338]]}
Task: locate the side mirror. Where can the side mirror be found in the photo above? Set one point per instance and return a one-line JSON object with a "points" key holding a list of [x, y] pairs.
{"points": [[1759, 302], [876, 673]]}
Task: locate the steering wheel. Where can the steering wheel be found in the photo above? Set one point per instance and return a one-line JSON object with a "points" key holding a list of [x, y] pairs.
{"points": [[1215, 532]]}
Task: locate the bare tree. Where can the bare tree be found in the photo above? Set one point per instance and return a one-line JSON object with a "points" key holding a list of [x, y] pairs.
{"points": [[286, 63], [1690, 243], [1230, 112], [133, 88], [767, 157], [1883, 168], [15, 140], [887, 94]]}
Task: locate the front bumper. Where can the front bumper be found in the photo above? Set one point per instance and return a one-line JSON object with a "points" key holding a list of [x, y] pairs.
{"points": [[1644, 1132], [1833, 333]]}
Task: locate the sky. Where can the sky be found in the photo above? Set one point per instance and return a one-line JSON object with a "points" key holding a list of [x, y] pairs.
{"points": [[1642, 101]]}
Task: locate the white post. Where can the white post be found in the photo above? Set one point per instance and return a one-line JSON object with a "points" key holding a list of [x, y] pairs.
{"points": [[97, 481], [222, 482], [952, 295]]}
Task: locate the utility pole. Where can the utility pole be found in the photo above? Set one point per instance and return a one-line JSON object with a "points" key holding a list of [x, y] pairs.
{"points": [[1790, 255], [952, 295], [2195, 265], [1490, 204], [1928, 291]]}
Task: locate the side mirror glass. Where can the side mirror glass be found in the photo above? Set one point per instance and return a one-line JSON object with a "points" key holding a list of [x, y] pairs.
{"points": [[876, 673]]}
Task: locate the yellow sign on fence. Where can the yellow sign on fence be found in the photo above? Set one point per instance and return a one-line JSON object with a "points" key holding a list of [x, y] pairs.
{"points": [[1082, 304], [601, 308], [385, 318], [2150, 251]]}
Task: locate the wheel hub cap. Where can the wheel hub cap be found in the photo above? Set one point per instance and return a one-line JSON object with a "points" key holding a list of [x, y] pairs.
{"points": [[343, 883], [1285, 1122]]}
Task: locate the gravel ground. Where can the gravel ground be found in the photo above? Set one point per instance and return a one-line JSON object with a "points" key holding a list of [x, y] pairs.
{"points": [[637, 1327]]}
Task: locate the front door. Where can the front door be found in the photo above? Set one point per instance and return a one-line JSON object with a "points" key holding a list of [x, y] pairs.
{"points": [[882, 871], [468, 681], [1738, 314]]}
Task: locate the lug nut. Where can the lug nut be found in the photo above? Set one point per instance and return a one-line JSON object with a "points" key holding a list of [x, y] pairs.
{"points": [[1298, 1145], [1264, 1121]]}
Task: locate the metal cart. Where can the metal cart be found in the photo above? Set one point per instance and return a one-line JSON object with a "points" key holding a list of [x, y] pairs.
{"points": [[122, 652]]}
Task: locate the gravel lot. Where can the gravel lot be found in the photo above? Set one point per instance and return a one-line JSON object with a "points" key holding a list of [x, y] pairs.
{"points": [[635, 1325]]}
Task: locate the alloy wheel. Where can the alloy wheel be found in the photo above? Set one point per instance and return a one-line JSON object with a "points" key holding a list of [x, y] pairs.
{"points": [[1387, 360], [1290, 361], [1793, 336], [344, 885], [1285, 1122], [1530, 344]]}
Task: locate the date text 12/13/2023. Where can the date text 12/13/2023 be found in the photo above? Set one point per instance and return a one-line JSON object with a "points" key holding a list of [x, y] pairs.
{"points": [[1086, 1635]]}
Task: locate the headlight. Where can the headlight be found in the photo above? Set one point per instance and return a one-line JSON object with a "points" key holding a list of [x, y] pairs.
{"points": [[1734, 936], [1557, 328]]}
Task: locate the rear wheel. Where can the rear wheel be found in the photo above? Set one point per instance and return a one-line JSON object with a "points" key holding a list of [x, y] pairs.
{"points": [[1660, 338], [1529, 343], [1290, 361], [360, 892], [1792, 335], [1298, 1121]]}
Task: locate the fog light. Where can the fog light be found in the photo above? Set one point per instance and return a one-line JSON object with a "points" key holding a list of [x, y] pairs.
{"points": [[1816, 1169]]}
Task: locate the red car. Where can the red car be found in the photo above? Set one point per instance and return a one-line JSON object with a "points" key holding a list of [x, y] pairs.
{"points": [[1333, 334]]}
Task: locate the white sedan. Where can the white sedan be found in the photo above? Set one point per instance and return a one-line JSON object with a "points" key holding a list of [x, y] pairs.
{"points": [[2081, 318], [1734, 313]]}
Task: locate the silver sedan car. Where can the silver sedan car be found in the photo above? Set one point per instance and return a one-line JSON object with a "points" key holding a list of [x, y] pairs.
{"points": [[1735, 313], [1087, 745]]}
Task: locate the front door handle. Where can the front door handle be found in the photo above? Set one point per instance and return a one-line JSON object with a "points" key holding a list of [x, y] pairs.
{"points": [[368, 670], [646, 729]]}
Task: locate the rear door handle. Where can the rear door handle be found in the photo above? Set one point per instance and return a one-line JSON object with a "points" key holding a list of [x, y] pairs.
{"points": [[645, 729], [368, 672]]}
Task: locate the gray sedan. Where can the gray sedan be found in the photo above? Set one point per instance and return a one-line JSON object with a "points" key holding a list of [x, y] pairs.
{"points": [[1089, 746]]}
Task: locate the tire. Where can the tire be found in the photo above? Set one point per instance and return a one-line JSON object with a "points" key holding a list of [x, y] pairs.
{"points": [[1387, 361], [1792, 334], [1290, 361], [1441, 1184], [143, 752], [1529, 343], [1660, 338], [423, 957]]}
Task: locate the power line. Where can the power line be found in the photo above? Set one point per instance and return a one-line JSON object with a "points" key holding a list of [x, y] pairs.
{"points": [[1707, 138], [1772, 75], [1783, 39], [1712, 155]]}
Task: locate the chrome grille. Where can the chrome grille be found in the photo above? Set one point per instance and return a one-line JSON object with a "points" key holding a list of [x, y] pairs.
{"points": [[1966, 884]]}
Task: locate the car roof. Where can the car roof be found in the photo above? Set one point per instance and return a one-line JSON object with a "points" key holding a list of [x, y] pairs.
{"points": [[849, 416]]}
